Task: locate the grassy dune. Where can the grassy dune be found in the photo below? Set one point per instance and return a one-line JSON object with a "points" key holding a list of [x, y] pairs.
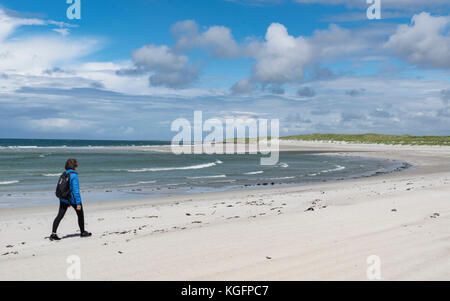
{"points": [[375, 138]]}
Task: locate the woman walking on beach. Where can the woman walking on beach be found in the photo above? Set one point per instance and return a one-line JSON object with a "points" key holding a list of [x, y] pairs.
{"points": [[69, 196]]}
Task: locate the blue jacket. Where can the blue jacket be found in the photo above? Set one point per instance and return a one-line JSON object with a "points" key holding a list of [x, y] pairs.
{"points": [[75, 187]]}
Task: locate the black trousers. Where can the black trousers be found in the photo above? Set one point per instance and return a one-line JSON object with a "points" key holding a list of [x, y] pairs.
{"points": [[62, 211]]}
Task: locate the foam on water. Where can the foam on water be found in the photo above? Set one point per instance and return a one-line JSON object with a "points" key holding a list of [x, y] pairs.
{"points": [[254, 172], [208, 177], [200, 166], [9, 182], [338, 167], [138, 183]]}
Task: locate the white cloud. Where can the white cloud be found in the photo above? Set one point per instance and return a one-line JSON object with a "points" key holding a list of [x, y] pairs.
{"points": [[242, 87], [282, 57], [58, 125], [336, 41], [33, 54], [170, 69], [424, 42], [62, 31], [8, 24], [217, 39], [159, 57]]}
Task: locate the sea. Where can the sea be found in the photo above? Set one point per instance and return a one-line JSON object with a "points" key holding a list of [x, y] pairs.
{"points": [[121, 170]]}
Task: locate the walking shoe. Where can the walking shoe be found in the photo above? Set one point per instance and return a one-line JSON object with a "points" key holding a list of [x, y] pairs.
{"points": [[54, 237], [85, 234]]}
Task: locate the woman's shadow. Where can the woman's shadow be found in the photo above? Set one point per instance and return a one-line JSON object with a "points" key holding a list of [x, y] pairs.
{"points": [[70, 235]]}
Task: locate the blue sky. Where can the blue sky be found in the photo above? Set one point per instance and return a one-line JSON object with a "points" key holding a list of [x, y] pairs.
{"points": [[126, 71]]}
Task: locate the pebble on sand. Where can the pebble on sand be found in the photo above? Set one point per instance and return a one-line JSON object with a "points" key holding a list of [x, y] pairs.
{"points": [[435, 215]]}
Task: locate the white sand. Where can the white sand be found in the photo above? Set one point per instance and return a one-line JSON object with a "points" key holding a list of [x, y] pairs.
{"points": [[261, 234]]}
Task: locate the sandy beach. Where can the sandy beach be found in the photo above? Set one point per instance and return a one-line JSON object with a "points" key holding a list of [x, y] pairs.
{"points": [[312, 232]]}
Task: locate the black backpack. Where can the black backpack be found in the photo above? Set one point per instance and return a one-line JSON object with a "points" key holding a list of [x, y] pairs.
{"points": [[63, 190]]}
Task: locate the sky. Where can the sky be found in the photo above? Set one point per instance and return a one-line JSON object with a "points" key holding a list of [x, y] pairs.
{"points": [[127, 69]]}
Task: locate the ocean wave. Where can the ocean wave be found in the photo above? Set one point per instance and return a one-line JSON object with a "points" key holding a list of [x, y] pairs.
{"points": [[21, 147], [44, 155], [282, 178], [254, 172], [207, 177], [9, 182], [338, 167], [223, 181], [175, 184], [199, 166], [284, 165], [138, 183], [50, 174]]}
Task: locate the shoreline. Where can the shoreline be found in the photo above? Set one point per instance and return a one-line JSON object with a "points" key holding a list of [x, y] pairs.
{"points": [[231, 235], [118, 192], [232, 188]]}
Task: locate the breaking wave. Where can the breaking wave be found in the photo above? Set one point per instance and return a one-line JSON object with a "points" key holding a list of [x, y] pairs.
{"points": [[207, 177], [9, 182], [199, 166], [138, 183], [254, 172], [338, 168]]}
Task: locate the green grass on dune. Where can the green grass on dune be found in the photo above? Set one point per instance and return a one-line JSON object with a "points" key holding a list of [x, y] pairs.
{"points": [[375, 138]]}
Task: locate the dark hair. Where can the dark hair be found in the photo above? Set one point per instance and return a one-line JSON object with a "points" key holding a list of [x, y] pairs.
{"points": [[71, 164]]}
